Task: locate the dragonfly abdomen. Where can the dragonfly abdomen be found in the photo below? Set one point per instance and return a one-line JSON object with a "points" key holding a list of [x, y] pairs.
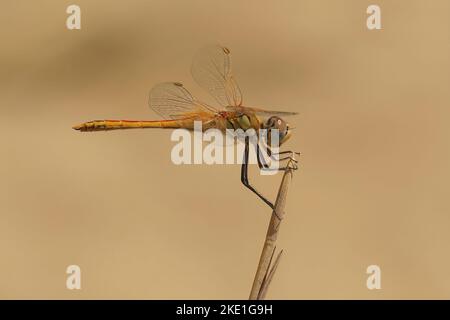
{"points": [[106, 125]]}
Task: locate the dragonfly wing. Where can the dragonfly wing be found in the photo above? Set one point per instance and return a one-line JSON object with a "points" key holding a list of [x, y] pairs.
{"points": [[172, 101], [211, 69], [269, 113], [261, 112]]}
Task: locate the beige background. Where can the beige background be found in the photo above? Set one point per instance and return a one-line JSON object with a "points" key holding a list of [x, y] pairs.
{"points": [[373, 131]]}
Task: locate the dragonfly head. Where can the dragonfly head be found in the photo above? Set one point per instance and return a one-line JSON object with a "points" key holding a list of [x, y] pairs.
{"points": [[282, 126]]}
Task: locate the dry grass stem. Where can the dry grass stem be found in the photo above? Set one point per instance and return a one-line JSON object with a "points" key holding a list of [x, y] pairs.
{"points": [[266, 270]]}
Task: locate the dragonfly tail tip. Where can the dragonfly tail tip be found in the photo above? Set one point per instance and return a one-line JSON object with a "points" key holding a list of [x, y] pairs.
{"points": [[77, 127]]}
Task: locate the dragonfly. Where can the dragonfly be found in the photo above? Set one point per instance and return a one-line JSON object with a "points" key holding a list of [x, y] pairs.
{"points": [[211, 69]]}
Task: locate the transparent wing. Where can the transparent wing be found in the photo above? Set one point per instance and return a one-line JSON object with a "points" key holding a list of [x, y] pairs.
{"points": [[261, 112], [211, 69], [172, 101]]}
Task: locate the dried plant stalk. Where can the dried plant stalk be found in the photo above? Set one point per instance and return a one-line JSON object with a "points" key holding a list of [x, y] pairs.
{"points": [[265, 271]]}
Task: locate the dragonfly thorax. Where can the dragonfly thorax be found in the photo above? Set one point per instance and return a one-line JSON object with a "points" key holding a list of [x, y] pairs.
{"points": [[241, 121]]}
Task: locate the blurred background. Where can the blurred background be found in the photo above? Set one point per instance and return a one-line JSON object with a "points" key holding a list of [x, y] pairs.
{"points": [[372, 129]]}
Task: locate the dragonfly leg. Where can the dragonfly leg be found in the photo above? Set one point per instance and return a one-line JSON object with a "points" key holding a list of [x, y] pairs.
{"points": [[290, 152], [292, 164], [244, 175], [290, 156]]}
